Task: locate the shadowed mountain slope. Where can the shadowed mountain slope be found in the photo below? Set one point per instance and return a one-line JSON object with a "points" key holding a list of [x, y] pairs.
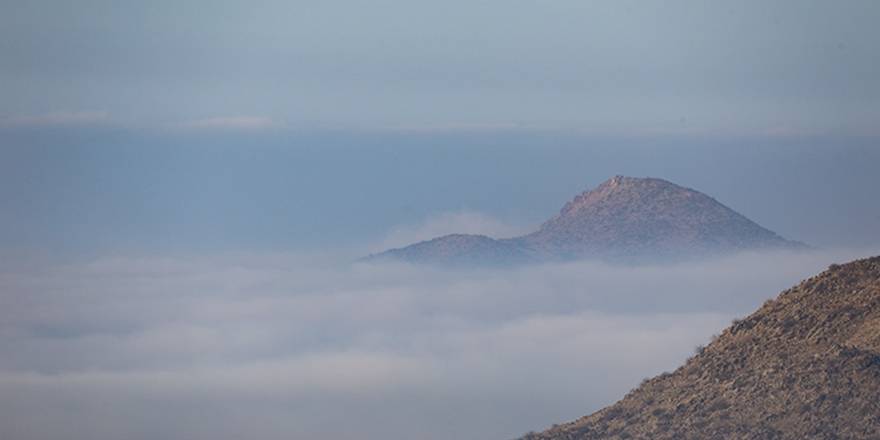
{"points": [[461, 249], [804, 366], [624, 218]]}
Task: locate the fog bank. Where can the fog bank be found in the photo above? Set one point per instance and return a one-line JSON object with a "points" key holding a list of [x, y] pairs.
{"points": [[265, 346]]}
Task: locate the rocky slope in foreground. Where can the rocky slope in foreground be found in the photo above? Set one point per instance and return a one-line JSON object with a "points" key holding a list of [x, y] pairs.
{"points": [[624, 218], [804, 366]]}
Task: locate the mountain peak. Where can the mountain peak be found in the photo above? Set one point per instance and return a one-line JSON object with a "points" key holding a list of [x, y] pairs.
{"points": [[617, 180], [621, 179], [624, 218], [614, 185], [628, 217]]}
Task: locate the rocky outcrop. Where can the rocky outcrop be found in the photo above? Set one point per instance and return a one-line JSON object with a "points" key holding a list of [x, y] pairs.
{"points": [[460, 249], [804, 366], [624, 218], [627, 217]]}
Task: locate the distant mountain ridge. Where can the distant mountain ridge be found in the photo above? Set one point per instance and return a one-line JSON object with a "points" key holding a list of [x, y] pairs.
{"points": [[806, 365], [624, 218]]}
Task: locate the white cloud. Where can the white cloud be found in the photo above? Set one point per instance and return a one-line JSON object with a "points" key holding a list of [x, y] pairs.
{"points": [[234, 122], [467, 127], [278, 346]]}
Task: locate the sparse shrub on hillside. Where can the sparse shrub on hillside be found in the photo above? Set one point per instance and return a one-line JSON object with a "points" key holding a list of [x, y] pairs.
{"points": [[798, 374]]}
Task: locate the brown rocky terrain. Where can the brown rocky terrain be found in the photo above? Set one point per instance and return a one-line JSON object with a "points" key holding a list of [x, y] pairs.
{"points": [[457, 249], [804, 366], [624, 218]]}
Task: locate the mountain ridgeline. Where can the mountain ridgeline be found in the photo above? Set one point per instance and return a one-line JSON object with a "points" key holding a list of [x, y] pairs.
{"points": [[623, 219], [804, 366]]}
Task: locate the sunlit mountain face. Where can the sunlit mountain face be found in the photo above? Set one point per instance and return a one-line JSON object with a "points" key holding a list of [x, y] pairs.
{"points": [[623, 219], [816, 347]]}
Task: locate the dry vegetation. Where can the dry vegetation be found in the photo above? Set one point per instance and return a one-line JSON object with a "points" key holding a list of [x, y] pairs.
{"points": [[804, 366]]}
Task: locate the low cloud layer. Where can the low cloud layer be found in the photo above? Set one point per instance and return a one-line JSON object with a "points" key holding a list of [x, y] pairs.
{"points": [[282, 346], [234, 123]]}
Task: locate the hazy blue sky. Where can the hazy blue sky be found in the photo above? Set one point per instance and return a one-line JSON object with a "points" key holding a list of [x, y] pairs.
{"points": [[610, 67], [288, 124], [99, 191]]}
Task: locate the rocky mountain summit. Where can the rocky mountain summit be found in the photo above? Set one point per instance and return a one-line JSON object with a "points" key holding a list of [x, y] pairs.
{"points": [[804, 366], [624, 218]]}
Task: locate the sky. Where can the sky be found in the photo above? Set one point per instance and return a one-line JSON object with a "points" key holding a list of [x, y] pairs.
{"points": [[82, 191], [180, 126], [186, 187], [607, 67]]}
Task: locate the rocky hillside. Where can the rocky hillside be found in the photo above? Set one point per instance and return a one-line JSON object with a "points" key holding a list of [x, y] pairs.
{"points": [[804, 366], [624, 218], [461, 249]]}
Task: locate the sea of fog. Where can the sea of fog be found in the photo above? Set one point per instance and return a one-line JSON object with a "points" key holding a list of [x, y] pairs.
{"points": [[277, 345]]}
